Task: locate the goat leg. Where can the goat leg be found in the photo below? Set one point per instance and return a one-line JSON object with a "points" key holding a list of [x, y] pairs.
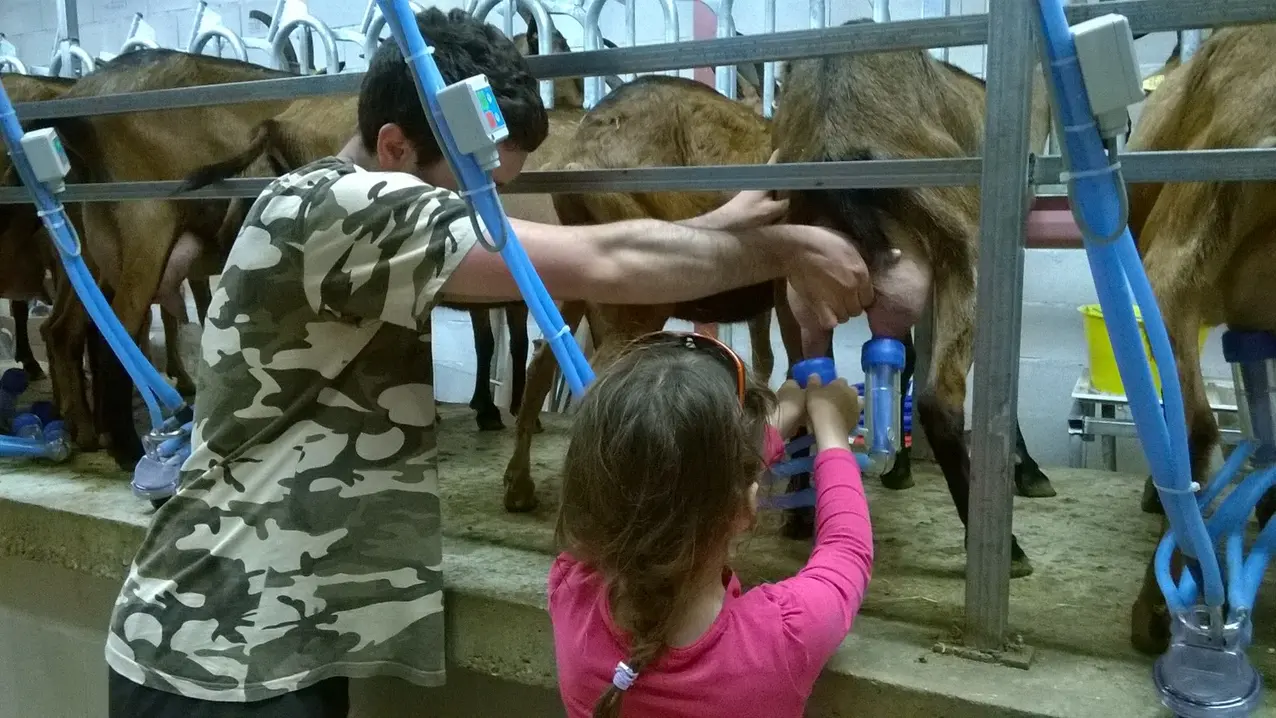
{"points": [[22, 340]]}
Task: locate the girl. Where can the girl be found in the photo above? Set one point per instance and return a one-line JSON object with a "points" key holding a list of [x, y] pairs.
{"points": [[660, 475]]}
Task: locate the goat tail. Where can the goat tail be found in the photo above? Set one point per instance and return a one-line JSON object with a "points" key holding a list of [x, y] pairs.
{"points": [[264, 142]]}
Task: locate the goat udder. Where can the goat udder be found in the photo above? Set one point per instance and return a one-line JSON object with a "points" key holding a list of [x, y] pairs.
{"points": [[900, 295]]}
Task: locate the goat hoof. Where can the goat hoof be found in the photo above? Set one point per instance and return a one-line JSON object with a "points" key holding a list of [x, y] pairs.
{"points": [[537, 426], [186, 387], [34, 371], [1033, 485], [157, 503], [520, 498], [898, 480], [799, 524], [1020, 567], [1151, 502], [85, 439], [1150, 624], [489, 421], [900, 476]]}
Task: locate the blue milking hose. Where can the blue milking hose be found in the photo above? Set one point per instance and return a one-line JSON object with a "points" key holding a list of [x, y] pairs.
{"points": [[479, 191], [153, 388], [1096, 191]]}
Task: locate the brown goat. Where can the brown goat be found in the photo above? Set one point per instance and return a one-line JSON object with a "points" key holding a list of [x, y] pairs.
{"points": [[904, 105], [24, 255], [1207, 246], [654, 121], [132, 244]]}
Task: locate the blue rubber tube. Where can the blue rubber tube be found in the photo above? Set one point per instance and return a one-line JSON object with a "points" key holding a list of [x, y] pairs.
{"points": [[1118, 274], [153, 388], [480, 192]]}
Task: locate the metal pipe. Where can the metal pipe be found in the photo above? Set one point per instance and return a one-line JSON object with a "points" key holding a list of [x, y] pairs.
{"points": [[936, 8], [1158, 167], [544, 34], [882, 10], [818, 12], [373, 26], [1189, 43], [237, 47], [959, 30], [1004, 192], [768, 70], [138, 44], [75, 52], [724, 75], [12, 61], [325, 36], [593, 41]]}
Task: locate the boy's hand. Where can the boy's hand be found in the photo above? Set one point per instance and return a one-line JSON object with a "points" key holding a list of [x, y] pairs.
{"points": [[754, 207], [833, 411], [791, 409]]}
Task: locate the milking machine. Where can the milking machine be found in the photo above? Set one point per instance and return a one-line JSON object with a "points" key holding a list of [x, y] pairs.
{"points": [[882, 360], [1206, 672], [42, 166], [33, 433]]}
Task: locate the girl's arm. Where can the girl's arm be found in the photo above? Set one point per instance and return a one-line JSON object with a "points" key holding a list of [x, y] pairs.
{"points": [[819, 603]]}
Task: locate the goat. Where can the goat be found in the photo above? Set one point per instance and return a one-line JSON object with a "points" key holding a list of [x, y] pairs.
{"points": [[1207, 246], [135, 245], [902, 105], [653, 121], [24, 257]]}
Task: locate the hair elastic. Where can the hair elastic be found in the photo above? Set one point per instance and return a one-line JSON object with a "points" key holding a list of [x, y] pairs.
{"points": [[624, 677]]}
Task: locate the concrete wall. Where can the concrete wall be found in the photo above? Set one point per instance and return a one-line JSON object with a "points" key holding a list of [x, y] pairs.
{"points": [[1056, 282], [53, 629]]}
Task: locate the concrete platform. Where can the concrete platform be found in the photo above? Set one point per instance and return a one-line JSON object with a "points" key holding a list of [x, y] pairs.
{"points": [[1088, 544]]}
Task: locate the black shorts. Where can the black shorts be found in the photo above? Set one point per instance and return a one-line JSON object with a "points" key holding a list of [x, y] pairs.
{"points": [[325, 699]]}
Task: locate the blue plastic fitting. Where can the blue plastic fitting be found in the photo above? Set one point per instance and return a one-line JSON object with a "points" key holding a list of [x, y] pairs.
{"points": [[28, 426], [158, 474], [823, 367]]}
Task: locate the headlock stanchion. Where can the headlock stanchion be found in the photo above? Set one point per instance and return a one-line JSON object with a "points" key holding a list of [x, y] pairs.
{"points": [[42, 166], [1206, 672]]}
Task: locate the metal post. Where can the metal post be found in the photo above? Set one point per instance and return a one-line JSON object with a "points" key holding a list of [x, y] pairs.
{"points": [[937, 8], [1004, 206], [1189, 41]]}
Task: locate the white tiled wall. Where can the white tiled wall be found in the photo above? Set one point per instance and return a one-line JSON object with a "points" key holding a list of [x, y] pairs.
{"points": [[1056, 282]]}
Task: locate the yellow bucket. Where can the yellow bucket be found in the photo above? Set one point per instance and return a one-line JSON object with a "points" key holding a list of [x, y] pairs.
{"points": [[1103, 369]]}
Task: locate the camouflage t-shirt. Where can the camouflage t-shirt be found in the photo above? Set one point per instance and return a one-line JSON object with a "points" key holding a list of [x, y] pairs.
{"points": [[305, 541]]}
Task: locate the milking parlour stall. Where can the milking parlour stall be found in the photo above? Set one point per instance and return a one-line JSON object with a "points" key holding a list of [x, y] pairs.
{"points": [[1116, 594]]}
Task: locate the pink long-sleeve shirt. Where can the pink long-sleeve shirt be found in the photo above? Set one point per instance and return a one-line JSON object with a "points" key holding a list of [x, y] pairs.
{"points": [[762, 654]]}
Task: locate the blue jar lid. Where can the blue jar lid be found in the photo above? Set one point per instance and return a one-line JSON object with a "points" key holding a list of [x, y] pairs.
{"points": [[23, 421], [1241, 346], [882, 350], [13, 381], [821, 366]]}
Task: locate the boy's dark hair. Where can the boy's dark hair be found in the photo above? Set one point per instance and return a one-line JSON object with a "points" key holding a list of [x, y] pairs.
{"points": [[463, 46]]}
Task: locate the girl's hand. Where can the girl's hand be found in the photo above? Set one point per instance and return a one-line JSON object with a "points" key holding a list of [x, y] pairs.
{"points": [[833, 410], [790, 409]]}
